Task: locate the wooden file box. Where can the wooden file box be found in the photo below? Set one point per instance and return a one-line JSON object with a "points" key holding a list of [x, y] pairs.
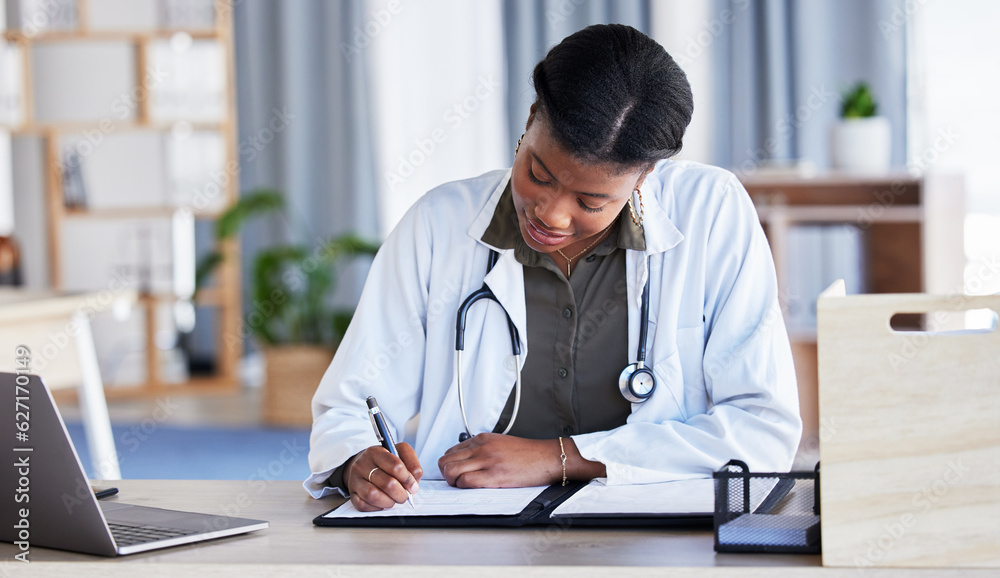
{"points": [[909, 435]]}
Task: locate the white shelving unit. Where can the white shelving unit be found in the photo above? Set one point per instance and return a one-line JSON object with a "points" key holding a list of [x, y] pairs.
{"points": [[117, 135]]}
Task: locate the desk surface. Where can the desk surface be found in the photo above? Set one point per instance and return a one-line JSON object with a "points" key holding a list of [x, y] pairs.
{"points": [[293, 540]]}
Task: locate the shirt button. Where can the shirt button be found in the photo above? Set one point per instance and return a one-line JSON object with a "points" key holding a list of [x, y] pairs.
{"points": [[591, 259], [567, 313], [568, 430], [563, 372]]}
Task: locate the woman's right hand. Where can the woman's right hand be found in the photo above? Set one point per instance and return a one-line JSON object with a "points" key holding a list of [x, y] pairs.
{"points": [[378, 480]]}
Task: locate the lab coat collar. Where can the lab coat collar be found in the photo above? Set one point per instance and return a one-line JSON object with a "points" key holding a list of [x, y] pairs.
{"points": [[660, 232], [482, 221]]}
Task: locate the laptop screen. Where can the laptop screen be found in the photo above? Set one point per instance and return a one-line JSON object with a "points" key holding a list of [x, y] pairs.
{"points": [[53, 503]]}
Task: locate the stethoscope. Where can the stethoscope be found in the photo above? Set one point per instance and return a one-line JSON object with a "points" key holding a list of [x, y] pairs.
{"points": [[636, 381]]}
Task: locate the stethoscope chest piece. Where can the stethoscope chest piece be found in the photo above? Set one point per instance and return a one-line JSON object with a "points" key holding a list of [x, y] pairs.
{"points": [[636, 383]]}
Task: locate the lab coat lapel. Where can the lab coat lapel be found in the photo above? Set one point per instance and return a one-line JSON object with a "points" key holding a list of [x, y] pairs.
{"points": [[507, 282], [507, 277]]}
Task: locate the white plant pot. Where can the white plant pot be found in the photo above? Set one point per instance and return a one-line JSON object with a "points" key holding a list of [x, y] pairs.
{"points": [[862, 145]]}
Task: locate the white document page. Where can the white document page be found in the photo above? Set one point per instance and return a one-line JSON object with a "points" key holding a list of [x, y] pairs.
{"points": [[681, 497], [437, 498]]}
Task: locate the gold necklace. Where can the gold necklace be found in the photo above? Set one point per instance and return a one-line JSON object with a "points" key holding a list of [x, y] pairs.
{"points": [[569, 260]]}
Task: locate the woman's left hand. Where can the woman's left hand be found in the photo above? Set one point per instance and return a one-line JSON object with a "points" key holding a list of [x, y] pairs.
{"points": [[491, 460]]}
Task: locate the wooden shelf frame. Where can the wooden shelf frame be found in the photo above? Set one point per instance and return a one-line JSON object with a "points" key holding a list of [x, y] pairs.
{"points": [[36, 128], [913, 242], [225, 295], [134, 212], [109, 35]]}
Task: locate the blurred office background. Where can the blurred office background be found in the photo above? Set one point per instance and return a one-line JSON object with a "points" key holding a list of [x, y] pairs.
{"points": [[352, 109], [372, 83]]}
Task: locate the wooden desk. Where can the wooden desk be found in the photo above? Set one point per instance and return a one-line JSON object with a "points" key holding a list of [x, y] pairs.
{"points": [[293, 546]]}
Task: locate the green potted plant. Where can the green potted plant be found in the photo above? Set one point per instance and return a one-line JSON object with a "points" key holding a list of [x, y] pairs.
{"points": [[862, 140], [291, 315]]}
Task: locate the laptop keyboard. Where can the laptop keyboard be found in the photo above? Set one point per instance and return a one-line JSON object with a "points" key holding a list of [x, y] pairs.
{"points": [[127, 535]]}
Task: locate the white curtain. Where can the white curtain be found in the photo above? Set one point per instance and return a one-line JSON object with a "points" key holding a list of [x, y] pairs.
{"points": [[436, 71], [781, 66], [303, 98], [378, 101], [355, 108], [688, 29]]}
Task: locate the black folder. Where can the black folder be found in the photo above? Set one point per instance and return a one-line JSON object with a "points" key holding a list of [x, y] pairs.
{"points": [[537, 513]]}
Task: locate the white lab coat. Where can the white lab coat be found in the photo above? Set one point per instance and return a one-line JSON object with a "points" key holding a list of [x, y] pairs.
{"points": [[725, 381]]}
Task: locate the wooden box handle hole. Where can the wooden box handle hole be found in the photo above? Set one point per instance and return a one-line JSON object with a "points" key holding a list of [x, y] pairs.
{"points": [[946, 322]]}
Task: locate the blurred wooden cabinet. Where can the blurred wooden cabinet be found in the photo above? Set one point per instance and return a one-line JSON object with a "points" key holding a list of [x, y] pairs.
{"points": [[120, 130], [907, 238]]}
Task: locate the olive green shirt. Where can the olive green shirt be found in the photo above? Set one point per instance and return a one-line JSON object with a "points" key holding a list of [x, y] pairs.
{"points": [[577, 332]]}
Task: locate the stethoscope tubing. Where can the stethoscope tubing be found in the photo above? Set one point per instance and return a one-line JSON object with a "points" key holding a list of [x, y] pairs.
{"points": [[640, 355], [485, 292]]}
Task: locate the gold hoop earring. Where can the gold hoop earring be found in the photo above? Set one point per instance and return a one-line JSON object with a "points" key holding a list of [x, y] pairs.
{"points": [[518, 145], [637, 219]]}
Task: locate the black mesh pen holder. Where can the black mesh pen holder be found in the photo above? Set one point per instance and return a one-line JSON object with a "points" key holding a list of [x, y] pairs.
{"points": [[766, 512]]}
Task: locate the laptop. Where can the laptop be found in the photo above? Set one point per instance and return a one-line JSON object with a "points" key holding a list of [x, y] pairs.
{"points": [[48, 499]]}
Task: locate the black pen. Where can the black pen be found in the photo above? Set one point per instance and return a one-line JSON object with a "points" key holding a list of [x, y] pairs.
{"points": [[382, 432], [101, 493]]}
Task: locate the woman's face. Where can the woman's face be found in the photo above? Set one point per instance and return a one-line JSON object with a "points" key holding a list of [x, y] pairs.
{"points": [[562, 202]]}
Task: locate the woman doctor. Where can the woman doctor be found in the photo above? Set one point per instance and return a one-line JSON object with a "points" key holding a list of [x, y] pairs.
{"points": [[591, 216]]}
